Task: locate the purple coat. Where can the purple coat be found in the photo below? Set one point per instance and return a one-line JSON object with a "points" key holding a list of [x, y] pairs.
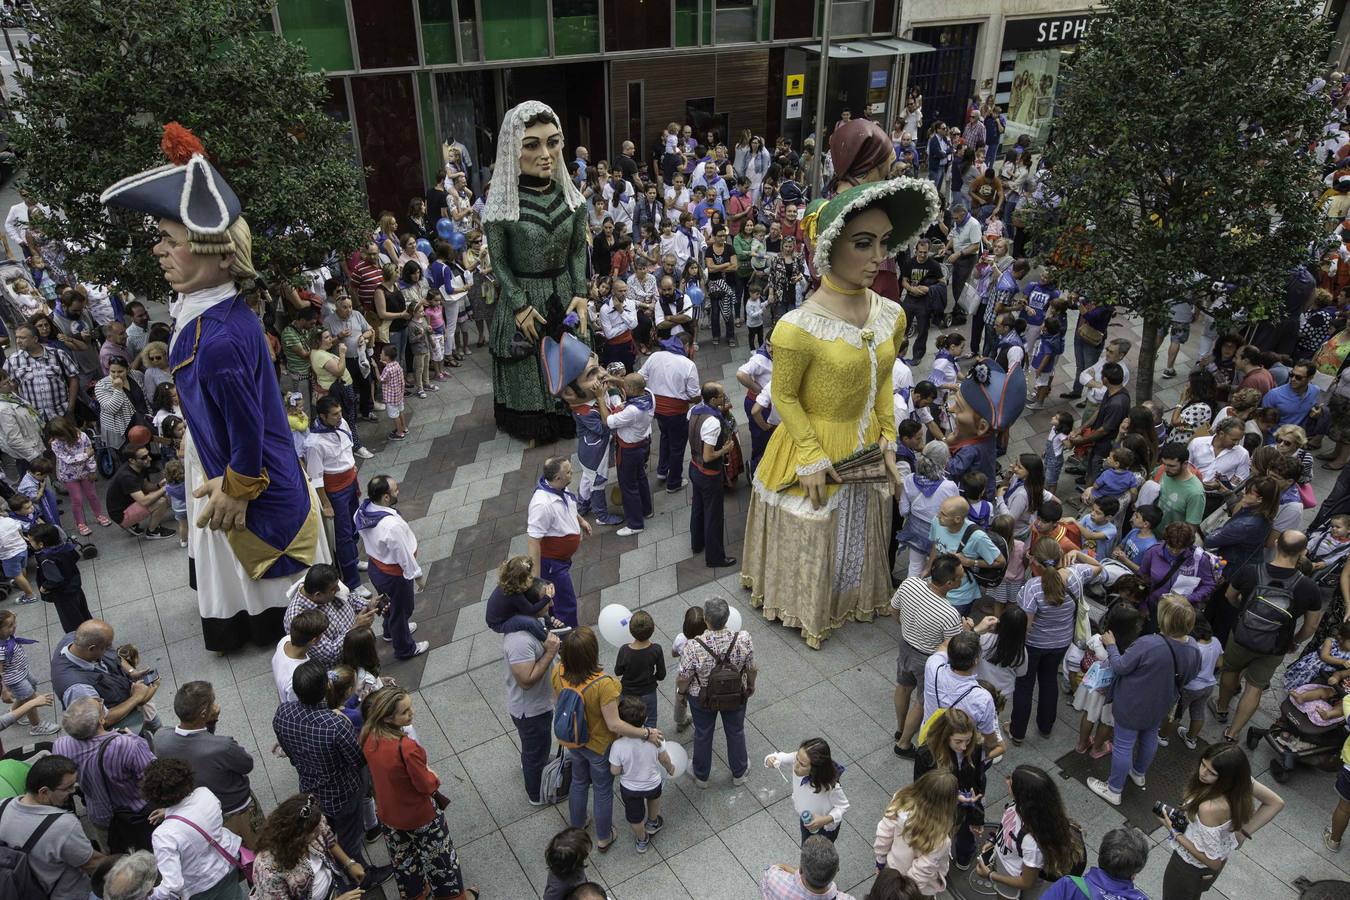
{"points": [[1194, 578]]}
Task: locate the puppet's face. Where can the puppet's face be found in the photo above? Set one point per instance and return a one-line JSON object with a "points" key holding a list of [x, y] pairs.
{"points": [[184, 270], [541, 150], [857, 253], [969, 424]]}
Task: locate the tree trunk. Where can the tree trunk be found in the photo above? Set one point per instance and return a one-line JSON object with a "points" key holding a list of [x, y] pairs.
{"points": [[1148, 355]]}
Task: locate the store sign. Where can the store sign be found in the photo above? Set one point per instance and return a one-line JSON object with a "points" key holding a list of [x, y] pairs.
{"points": [[794, 108], [796, 85], [1036, 34], [880, 78]]}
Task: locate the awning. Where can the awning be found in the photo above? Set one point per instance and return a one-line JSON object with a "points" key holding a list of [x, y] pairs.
{"points": [[866, 49]]}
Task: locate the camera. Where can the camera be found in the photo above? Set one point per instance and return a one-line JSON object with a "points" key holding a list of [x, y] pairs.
{"points": [[1171, 814]]}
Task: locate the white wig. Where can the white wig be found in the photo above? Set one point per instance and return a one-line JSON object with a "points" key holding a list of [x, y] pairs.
{"points": [[503, 201]]}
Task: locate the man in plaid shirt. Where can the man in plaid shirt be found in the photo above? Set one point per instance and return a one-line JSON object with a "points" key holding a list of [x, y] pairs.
{"points": [[46, 376], [696, 664], [322, 747]]}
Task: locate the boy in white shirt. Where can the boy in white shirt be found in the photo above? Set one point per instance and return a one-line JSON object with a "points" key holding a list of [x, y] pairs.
{"points": [[638, 763]]}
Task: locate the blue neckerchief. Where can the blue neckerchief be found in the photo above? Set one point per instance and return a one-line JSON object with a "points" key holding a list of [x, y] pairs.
{"points": [[903, 452], [564, 493], [1013, 485], [1012, 339], [318, 426], [673, 345], [367, 516], [643, 401], [763, 350], [947, 355], [702, 408], [926, 486]]}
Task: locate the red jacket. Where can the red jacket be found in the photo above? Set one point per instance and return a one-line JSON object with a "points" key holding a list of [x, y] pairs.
{"points": [[403, 783]]}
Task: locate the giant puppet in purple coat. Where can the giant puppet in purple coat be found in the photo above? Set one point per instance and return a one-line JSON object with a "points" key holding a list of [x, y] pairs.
{"points": [[254, 525]]}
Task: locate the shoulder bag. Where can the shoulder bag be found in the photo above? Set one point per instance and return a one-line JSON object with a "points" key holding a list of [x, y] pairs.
{"points": [[243, 863], [128, 830]]}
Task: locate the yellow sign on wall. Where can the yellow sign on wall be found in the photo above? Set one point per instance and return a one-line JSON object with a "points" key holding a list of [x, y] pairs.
{"points": [[796, 85]]}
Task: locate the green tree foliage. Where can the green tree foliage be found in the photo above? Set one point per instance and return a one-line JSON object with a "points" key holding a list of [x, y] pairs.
{"points": [[1163, 190], [106, 76]]}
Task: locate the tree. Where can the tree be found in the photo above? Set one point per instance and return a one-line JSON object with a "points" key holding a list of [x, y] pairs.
{"points": [[1179, 158], [105, 77]]}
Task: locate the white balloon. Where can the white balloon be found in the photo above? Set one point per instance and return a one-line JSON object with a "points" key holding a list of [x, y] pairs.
{"points": [[679, 757], [614, 624], [734, 619]]}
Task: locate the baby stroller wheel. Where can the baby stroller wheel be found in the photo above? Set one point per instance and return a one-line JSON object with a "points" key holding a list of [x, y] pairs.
{"points": [[1278, 771]]}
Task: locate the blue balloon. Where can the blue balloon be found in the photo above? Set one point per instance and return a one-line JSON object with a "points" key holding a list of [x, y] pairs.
{"points": [[458, 241], [695, 294], [445, 228], [424, 246]]}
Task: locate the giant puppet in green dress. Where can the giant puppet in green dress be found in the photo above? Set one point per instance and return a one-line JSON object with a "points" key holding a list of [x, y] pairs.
{"points": [[535, 220]]}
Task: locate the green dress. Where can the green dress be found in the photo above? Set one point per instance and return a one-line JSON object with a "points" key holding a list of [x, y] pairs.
{"points": [[539, 259]]}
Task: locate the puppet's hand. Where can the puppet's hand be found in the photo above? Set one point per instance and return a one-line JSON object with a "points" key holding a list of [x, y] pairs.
{"points": [[222, 512]]}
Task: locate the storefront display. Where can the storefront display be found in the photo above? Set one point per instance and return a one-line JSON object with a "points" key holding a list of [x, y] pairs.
{"points": [[1036, 55]]}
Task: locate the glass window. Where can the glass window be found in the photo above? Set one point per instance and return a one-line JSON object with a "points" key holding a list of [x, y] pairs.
{"points": [[883, 17], [686, 23], [515, 29], [648, 31], [794, 19], [737, 21], [320, 26], [706, 29], [385, 35], [468, 31], [431, 145], [384, 106], [438, 31], [851, 17], [576, 27]]}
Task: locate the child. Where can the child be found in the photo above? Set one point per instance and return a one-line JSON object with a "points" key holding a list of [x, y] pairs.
{"points": [[1140, 537], [566, 860], [391, 386], [694, 626], [593, 441], [14, 550], [342, 695], [58, 576], [816, 792], [1048, 350], [632, 426], [75, 467], [973, 486], [130, 658], [642, 664], [1117, 478], [1195, 693], [298, 419], [1039, 295], [638, 763], [1003, 652], [21, 508], [17, 684], [519, 600], [1015, 574], [1098, 528], [754, 316], [1321, 666], [176, 491], [36, 483], [946, 376], [360, 652], [434, 310], [1091, 696], [419, 342], [1329, 547], [1054, 450]]}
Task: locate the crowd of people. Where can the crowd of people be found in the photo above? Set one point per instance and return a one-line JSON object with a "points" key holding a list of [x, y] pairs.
{"points": [[1153, 562]]}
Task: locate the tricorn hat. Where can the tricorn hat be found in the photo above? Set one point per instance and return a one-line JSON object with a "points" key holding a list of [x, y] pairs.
{"points": [[995, 395], [187, 190], [563, 362]]}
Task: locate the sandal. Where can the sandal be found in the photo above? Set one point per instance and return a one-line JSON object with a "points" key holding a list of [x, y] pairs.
{"points": [[604, 848], [103, 520], [84, 529], [1333, 468]]}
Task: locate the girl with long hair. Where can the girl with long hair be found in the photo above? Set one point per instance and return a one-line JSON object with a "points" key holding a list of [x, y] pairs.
{"points": [[299, 855], [1003, 651], [953, 744], [361, 653], [1023, 493], [816, 792], [1224, 806], [1036, 840], [914, 834], [75, 468], [1016, 571]]}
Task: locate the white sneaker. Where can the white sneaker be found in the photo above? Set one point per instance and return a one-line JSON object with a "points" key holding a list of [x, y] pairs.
{"points": [[412, 628], [363, 592], [44, 728], [625, 531], [1186, 737], [420, 648], [1103, 790], [363, 453], [741, 779], [362, 566], [1137, 779]]}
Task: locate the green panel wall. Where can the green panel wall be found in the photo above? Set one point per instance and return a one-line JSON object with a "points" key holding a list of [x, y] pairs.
{"points": [[515, 29], [438, 31], [320, 26], [686, 23]]}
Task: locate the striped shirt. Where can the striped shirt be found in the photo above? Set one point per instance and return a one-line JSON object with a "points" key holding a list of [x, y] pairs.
{"points": [[1052, 626], [15, 661], [926, 619], [365, 279], [125, 762]]}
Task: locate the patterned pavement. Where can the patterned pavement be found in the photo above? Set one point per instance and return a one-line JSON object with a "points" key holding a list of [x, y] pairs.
{"points": [[465, 489]]}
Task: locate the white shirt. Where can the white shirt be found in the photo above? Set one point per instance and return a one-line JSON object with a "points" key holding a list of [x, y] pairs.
{"points": [[329, 451], [16, 225], [188, 864], [683, 306], [765, 402], [551, 516], [632, 423], [392, 541], [1233, 464], [614, 323], [805, 798], [642, 291], [678, 245], [760, 369], [642, 769], [964, 236], [671, 375], [673, 201], [623, 213], [283, 670], [1094, 373], [11, 538]]}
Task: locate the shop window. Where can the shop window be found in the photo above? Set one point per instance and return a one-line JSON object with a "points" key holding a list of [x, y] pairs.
{"points": [[438, 31], [385, 33], [385, 106], [468, 31], [794, 19], [705, 29], [850, 18], [686, 23], [515, 29], [576, 27], [737, 21], [648, 28], [320, 26], [431, 145], [883, 17], [945, 76], [468, 116]]}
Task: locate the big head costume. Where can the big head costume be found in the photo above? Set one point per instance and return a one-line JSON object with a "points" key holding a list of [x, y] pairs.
{"points": [[227, 389]]}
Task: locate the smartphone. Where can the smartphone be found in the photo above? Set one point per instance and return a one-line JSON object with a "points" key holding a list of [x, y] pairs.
{"points": [[151, 677], [560, 632]]}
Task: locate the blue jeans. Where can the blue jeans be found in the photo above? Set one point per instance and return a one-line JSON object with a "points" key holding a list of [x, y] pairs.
{"points": [[1085, 356], [651, 700], [1131, 749], [591, 768], [705, 723], [536, 739]]}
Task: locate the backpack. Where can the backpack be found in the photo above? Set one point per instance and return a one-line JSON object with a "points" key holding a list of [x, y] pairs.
{"points": [[556, 779], [569, 714], [725, 688], [20, 881], [1265, 622], [993, 576]]}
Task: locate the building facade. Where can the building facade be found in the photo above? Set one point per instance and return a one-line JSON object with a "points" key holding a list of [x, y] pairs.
{"points": [[410, 76]]}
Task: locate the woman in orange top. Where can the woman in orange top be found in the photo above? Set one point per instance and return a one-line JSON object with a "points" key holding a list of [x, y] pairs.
{"points": [[405, 788]]}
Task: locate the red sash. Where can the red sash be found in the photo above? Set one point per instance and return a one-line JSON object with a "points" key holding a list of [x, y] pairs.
{"points": [[558, 546], [391, 569], [338, 481], [671, 406], [645, 442], [621, 339]]}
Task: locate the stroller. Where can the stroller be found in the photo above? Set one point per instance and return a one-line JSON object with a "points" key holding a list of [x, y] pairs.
{"points": [[11, 311], [1294, 738]]}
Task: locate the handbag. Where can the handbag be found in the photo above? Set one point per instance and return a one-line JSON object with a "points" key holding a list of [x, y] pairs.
{"points": [[128, 829], [244, 862], [1090, 335], [969, 301], [1305, 493]]}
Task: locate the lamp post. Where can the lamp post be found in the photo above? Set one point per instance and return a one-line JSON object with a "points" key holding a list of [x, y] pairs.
{"points": [[818, 160]]}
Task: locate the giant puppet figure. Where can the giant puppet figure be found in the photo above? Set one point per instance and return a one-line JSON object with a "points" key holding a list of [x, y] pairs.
{"points": [[815, 548], [535, 221], [254, 524], [989, 402]]}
